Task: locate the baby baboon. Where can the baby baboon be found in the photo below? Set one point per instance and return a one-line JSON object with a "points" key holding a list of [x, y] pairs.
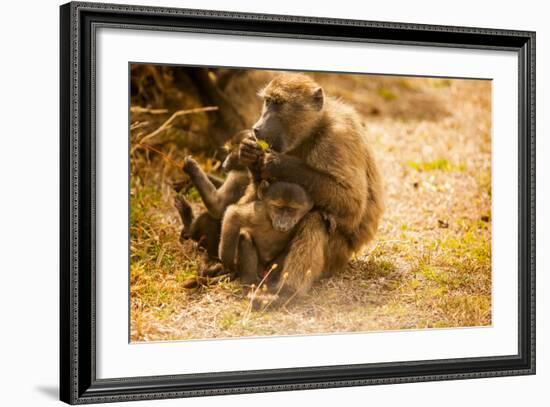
{"points": [[319, 143], [205, 228], [254, 234]]}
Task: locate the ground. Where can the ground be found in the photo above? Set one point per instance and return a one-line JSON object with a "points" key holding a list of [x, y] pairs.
{"points": [[428, 267]]}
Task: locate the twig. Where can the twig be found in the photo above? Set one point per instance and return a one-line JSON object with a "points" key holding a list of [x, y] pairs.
{"points": [[137, 125], [193, 282], [255, 292], [139, 109], [217, 279], [296, 292], [281, 285], [166, 157], [177, 114], [290, 298]]}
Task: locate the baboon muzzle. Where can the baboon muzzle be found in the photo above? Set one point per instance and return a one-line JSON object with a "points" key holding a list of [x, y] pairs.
{"points": [[283, 224]]}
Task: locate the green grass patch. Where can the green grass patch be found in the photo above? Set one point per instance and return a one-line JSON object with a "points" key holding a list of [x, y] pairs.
{"points": [[377, 268], [484, 182], [193, 195], [386, 93], [458, 262], [441, 164], [228, 320], [187, 270]]}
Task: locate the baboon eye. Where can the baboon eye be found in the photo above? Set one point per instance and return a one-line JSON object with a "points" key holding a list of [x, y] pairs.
{"points": [[270, 102]]}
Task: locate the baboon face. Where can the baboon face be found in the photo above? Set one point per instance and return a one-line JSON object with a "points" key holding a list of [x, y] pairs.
{"points": [[292, 105], [286, 204]]}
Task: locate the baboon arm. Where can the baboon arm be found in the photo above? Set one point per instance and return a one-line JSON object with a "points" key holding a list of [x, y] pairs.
{"points": [[229, 242], [326, 190], [216, 181], [210, 195]]}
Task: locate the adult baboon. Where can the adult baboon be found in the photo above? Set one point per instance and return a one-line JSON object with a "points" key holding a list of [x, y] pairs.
{"points": [[319, 143]]}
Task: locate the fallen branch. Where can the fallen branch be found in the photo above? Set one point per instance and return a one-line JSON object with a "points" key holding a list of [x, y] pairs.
{"points": [[137, 125]]}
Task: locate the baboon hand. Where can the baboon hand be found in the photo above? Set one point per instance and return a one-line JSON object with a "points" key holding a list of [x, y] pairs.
{"points": [[250, 151], [272, 165], [189, 165]]}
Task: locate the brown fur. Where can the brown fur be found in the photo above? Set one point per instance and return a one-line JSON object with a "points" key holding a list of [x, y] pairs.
{"points": [[326, 151], [255, 233], [205, 228]]}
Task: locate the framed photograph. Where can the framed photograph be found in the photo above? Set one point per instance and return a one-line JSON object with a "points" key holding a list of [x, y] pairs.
{"points": [[255, 203]]}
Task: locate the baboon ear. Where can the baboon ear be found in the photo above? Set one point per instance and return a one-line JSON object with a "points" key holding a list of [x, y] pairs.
{"points": [[262, 189], [318, 98]]}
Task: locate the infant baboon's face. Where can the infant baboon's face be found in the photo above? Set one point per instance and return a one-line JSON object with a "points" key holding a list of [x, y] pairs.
{"points": [[286, 204]]}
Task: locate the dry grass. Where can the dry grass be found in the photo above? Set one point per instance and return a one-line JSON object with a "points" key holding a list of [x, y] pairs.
{"points": [[429, 267]]}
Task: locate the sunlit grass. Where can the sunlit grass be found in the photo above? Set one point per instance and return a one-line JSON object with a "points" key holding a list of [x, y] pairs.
{"points": [[428, 267], [441, 164], [386, 93]]}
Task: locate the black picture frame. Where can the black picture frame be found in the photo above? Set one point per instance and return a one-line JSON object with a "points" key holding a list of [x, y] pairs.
{"points": [[78, 382]]}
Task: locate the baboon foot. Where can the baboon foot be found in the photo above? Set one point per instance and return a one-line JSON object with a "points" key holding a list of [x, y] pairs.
{"points": [[186, 214], [213, 270], [190, 165], [191, 282], [183, 207]]}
